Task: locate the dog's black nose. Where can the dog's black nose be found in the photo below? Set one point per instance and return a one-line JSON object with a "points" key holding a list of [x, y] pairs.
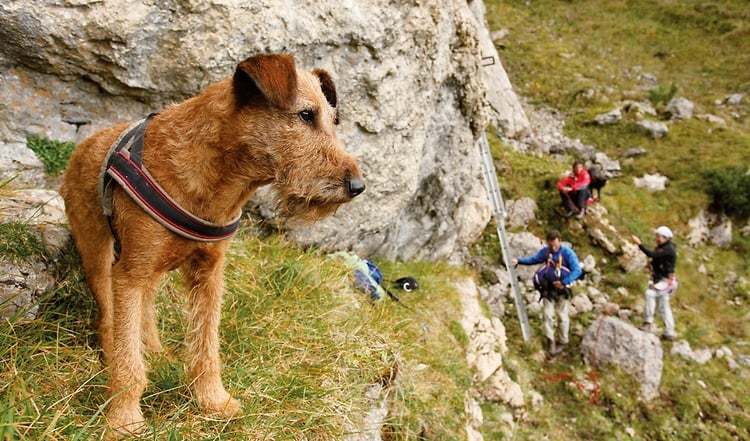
{"points": [[355, 186]]}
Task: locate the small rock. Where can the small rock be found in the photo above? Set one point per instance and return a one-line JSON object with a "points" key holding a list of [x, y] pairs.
{"points": [[679, 108], [745, 231], [654, 129], [713, 119], [634, 151], [734, 99], [499, 35], [639, 108], [611, 117], [581, 304], [721, 235], [655, 182], [521, 212], [537, 400], [648, 78]]}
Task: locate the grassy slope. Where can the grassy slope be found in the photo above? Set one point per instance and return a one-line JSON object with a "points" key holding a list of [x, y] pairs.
{"points": [[556, 50], [300, 348]]}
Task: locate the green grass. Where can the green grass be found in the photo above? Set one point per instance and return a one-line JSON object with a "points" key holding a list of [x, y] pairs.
{"points": [[18, 242], [53, 154], [300, 347]]}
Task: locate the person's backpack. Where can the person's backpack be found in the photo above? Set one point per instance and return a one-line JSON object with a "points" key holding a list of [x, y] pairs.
{"points": [[548, 273], [368, 278]]}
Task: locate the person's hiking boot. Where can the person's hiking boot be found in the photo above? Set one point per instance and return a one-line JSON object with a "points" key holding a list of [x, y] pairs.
{"points": [[551, 347], [645, 327], [581, 214], [558, 349], [668, 337], [570, 213]]}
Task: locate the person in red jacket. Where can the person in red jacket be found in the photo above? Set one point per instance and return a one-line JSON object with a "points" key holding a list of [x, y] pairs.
{"points": [[574, 190]]}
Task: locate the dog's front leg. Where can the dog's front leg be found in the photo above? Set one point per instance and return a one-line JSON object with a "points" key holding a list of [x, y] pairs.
{"points": [[205, 278], [127, 368]]}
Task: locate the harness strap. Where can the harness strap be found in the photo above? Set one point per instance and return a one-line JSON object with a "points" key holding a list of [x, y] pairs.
{"points": [[123, 165]]}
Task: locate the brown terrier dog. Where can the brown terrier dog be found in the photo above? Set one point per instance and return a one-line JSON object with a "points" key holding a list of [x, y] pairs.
{"points": [[271, 123]]}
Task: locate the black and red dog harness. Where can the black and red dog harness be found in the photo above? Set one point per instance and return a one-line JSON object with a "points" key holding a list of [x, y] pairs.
{"points": [[124, 165]]}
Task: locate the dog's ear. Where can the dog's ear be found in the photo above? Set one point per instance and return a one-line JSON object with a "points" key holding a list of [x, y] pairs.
{"points": [[329, 90], [271, 76]]}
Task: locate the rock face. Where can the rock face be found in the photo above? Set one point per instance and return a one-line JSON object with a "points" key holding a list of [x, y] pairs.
{"points": [[412, 90], [23, 281], [486, 348], [610, 341]]}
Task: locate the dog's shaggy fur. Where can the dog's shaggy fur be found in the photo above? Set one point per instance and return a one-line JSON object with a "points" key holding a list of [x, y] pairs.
{"points": [[271, 123]]}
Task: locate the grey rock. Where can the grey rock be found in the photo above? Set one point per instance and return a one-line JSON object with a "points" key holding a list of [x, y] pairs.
{"points": [[679, 108], [520, 212], [745, 231], [524, 244], [639, 109], [506, 111], [21, 286], [609, 118], [414, 96], [734, 99], [713, 119], [682, 349], [611, 341], [653, 129], [709, 227], [634, 151], [580, 304], [655, 182], [610, 167]]}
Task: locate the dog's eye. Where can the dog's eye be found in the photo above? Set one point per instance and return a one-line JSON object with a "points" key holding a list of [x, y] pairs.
{"points": [[307, 116]]}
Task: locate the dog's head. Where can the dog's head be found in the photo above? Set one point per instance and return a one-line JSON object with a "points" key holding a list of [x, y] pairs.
{"points": [[289, 117]]}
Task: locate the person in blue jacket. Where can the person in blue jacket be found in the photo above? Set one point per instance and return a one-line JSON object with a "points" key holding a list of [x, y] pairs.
{"points": [[561, 268]]}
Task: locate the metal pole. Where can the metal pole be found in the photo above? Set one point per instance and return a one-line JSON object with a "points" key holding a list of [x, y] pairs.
{"points": [[498, 209]]}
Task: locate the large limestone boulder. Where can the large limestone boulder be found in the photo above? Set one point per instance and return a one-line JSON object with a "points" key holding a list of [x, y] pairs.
{"points": [[412, 89], [611, 341]]}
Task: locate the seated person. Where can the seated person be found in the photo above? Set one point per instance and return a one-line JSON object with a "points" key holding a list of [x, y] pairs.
{"points": [[574, 190]]}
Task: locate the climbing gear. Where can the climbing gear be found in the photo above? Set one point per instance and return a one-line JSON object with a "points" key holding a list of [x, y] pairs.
{"points": [[664, 231], [123, 165], [551, 272], [407, 284], [368, 278]]}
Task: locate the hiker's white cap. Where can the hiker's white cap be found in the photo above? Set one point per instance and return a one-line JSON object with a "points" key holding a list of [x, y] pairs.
{"points": [[664, 232]]}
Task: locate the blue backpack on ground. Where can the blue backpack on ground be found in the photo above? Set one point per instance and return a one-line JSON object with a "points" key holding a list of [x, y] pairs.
{"points": [[369, 280]]}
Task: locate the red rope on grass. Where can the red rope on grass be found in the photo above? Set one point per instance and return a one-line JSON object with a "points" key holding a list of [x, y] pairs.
{"points": [[591, 376]]}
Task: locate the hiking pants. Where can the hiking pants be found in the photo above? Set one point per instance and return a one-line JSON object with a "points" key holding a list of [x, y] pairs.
{"points": [[654, 296], [562, 305], [577, 196]]}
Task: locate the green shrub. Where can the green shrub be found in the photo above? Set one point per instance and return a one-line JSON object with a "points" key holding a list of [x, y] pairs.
{"points": [[662, 95], [730, 191], [53, 154]]}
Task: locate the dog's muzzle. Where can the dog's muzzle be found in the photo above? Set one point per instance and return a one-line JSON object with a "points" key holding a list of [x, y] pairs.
{"points": [[355, 187]]}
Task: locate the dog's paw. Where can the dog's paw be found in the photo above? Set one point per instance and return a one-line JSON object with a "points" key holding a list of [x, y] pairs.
{"points": [[126, 423], [226, 407]]}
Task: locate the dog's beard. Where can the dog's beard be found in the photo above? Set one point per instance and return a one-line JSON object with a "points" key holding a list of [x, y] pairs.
{"points": [[308, 204]]}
